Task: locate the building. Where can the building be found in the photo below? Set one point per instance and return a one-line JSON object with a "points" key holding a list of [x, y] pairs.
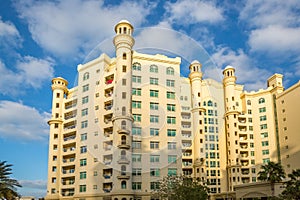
{"points": [[132, 120], [288, 109]]}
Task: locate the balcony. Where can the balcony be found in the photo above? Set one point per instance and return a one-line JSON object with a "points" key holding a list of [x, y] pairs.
{"points": [[246, 180], [124, 144], [108, 105], [109, 92], [68, 171], [70, 125], [108, 118], [245, 171], [107, 173], [69, 138], [123, 175], [68, 150], [107, 146], [244, 163], [108, 131], [70, 115], [123, 160], [187, 153], [187, 162], [244, 155], [107, 159], [68, 161], [123, 130], [109, 79], [187, 172], [67, 192], [71, 104], [68, 181], [185, 125]]}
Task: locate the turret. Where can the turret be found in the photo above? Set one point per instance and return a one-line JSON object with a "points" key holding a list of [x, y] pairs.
{"points": [[195, 77], [59, 89], [122, 116]]}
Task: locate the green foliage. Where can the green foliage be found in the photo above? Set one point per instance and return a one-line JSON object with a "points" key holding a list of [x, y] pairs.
{"points": [[181, 188], [292, 190], [7, 184], [273, 173]]}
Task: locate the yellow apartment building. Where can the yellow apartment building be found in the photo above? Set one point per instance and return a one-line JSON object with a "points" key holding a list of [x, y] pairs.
{"points": [[132, 120]]}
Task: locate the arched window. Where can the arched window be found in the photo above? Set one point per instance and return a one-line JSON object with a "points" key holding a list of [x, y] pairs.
{"points": [[123, 153], [124, 111], [261, 100], [123, 170], [123, 186], [123, 139], [249, 102], [204, 103], [209, 103], [124, 199], [124, 56], [86, 76], [215, 104], [170, 71], [153, 68], [136, 66], [123, 124]]}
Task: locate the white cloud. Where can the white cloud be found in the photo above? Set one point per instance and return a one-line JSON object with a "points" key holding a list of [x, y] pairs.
{"points": [[261, 14], [192, 12], [9, 35], [21, 122], [253, 77], [35, 184], [30, 72], [275, 40], [72, 27]]}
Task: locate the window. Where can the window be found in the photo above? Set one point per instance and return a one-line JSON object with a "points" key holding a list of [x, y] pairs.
{"points": [[209, 103], [171, 120], [85, 100], [154, 185], [136, 144], [153, 93], [263, 109], [154, 145], [153, 106], [136, 171], [136, 66], [82, 188], [171, 132], [264, 135], [123, 81], [154, 118], [136, 79], [172, 171], [170, 83], [123, 95], [171, 107], [265, 143], [136, 157], [84, 112], [261, 100], [83, 136], [249, 111], [86, 76], [136, 185], [265, 152], [155, 172], [124, 68], [136, 104], [248, 102], [266, 160], [153, 81], [170, 71], [85, 88], [154, 158], [136, 131], [172, 158], [137, 117], [153, 68], [154, 132], [170, 95], [171, 145], [263, 118], [137, 91], [263, 126], [82, 175], [83, 149], [84, 124], [124, 56]]}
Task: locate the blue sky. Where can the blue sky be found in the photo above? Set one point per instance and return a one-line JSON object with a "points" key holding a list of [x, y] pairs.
{"points": [[43, 39]]}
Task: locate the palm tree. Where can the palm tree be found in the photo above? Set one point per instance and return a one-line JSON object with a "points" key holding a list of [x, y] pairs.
{"points": [[7, 184], [273, 173], [292, 190]]}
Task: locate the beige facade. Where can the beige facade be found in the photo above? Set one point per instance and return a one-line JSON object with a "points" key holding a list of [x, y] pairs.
{"points": [[132, 120], [288, 113]]}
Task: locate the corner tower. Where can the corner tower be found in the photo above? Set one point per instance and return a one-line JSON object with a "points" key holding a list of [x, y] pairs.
{"points": [[198, 111], [122, 115], [59, 90], [231, 128]]}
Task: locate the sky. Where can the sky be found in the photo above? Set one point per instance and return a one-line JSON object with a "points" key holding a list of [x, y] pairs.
{"points": [[40, 40]]}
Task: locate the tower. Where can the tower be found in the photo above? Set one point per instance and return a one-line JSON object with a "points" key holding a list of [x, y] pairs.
{"points": [[231, 128], [195, 77], [122, 115], [59, 90]]}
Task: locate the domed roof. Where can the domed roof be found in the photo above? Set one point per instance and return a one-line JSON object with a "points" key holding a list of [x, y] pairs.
{"points": [[229, 67], [195, 62], [124, 21]]}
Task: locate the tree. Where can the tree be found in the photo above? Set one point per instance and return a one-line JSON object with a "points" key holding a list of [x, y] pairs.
{"points": [[8, 185], [181, 188], [273, 173], [292, 190]]}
